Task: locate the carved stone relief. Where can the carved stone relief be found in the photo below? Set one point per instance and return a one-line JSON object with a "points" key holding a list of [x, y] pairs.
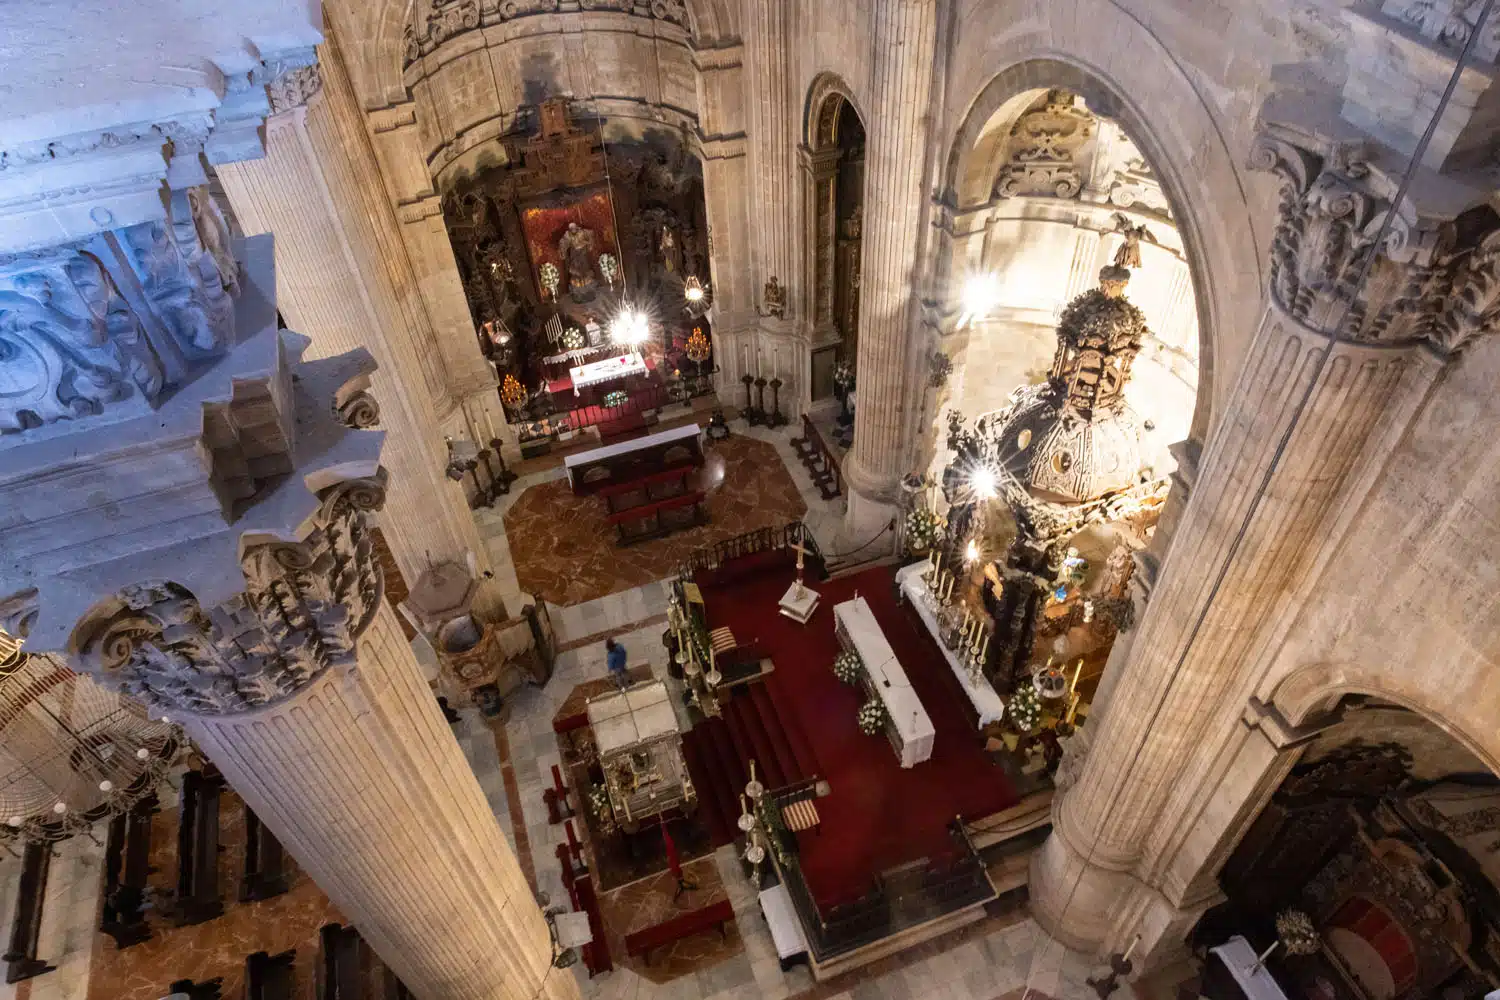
{"points": [[450, 18], [1449, 23], [1347, 262], [69, 344], [304, 607], [183, 284], [294, 88], [1045, 143]]}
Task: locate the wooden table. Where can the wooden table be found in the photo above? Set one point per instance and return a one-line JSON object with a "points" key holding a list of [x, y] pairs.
{"points": [[908, 726], [594, 470]]}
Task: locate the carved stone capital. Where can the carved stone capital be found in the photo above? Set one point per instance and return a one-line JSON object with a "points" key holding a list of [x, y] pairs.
{"points": [[304, 607], [294, 88], [1348, 261]]}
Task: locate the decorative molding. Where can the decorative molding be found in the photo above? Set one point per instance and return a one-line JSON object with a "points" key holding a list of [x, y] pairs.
{"points": [[1350, 264], [294, 88], [448, 19], [70, 346], [360, 411], [1447, 23], [1044, 149], [304, 607]]}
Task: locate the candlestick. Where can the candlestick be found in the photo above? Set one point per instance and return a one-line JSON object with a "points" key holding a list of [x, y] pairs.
{"points": [[1073, 701], [937, 566], [752, 772], [743, 807], [1131, 950], [948, 590], [966, 619], [986, 647], [932, 560], [1078, 669]]}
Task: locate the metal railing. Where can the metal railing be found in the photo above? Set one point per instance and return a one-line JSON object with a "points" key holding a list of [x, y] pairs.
{"points": [[753, 543]]}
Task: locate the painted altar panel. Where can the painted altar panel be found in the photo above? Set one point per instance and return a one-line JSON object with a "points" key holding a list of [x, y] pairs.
{"points": [[544, 224]]}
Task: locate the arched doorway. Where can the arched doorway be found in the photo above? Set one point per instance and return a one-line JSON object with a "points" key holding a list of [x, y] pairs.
{"points": [[1066, 374], [833, 162], [1385, 837]]}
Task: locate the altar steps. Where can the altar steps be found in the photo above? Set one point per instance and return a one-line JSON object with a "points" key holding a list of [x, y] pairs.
{"points": [[718, 752]]}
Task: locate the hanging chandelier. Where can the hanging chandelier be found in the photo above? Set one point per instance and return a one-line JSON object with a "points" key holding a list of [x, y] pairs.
{"points": [[71, 752]]}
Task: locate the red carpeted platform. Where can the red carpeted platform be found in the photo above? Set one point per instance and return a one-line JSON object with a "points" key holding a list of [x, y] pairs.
{"points": [[879, 815]]}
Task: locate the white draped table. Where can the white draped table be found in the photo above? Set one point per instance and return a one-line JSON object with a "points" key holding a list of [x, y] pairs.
{"points": [[606, 371], [981, 693], [910, 729]]}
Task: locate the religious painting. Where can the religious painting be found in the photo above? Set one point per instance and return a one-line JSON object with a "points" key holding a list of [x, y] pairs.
{"points": [[570, 233]]}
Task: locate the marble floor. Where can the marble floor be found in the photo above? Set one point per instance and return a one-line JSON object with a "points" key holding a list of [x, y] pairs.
{"points": [[572, 555]]}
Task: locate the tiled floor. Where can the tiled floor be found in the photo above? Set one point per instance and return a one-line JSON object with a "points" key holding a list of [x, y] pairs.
{"points": [[996, 959]]}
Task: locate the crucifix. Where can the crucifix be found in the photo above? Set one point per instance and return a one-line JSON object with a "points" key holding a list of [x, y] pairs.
{"points": [[801, 551]]}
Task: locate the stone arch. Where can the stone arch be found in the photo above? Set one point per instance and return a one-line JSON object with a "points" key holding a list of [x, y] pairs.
{"points": [[1098, 50], [1309, 691], [821, 95], [373, 38]]}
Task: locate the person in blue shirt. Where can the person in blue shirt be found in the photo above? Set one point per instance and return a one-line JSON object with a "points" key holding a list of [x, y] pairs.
{"points": [[614, 658]]}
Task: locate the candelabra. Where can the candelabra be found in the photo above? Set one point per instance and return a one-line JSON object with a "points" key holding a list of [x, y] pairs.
{"points": [[753, 416], [1119, 966], [775, 417]]}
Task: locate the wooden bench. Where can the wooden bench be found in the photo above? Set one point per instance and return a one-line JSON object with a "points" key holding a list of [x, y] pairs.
{"points": [[21, 960], [198, 849], [642, 943], [819, 460], [271, 977], [348, 969], [266, 874], [637, 524], [127, 863]]}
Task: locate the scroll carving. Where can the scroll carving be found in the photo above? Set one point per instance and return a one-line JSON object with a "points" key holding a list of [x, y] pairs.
{"points": [[294, 88], [450, 18], [304, 607], [69, 344], [1044, 147], [183, 285], [1346, 261]]}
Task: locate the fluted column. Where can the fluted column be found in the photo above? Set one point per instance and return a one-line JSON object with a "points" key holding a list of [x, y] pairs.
{"points": [[1354, 336], [343, 280], [773, 135], [905, 32], [305, 693]]}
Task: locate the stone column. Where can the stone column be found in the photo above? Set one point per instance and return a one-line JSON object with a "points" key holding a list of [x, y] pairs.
{"points": [[772, 138], [343, 279], [305, 693], [1354, 335], [905, 32]]}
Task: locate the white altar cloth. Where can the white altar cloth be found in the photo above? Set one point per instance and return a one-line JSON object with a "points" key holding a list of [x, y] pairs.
{"points": [[857, 626], [981, 694], [606, 370], [1239, 957], [627, 718]]}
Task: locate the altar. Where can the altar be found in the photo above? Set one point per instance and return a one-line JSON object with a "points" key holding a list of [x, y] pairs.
{"points": [[978, 690], [608, 370], [640, 753], [908, 726]]}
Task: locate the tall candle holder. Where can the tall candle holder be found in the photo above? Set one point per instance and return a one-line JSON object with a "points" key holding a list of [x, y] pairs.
{"points": [[774, 418]]}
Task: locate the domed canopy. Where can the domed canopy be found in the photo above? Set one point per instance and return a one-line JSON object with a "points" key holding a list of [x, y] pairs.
{"points": [[1074, 439]]}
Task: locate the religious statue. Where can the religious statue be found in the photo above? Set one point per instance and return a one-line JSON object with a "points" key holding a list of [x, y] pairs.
{"points": [[1129, 254], [576, 248], [775, 298], [666, 246]]}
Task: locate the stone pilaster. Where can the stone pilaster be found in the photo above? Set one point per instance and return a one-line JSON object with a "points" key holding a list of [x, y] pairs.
{"points": [[343, 279], [1368, 302], [905, 33], [772, 139]]}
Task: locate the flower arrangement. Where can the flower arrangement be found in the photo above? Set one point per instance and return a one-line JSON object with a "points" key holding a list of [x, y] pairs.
{"points": [[616, 397], [697, 346], [599, 806], [1297, 933], [922, 528], [843, 376], [572, 339], [609, 268], [847, 668], [1025, 708], [871, 718], [551, 278], [512, 391]]}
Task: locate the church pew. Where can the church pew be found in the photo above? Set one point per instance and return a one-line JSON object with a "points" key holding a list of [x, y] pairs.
{"points": [[127, 863], [270, 977], [266, 874], [26, 928], [198, 849], [207, 990], [643, 943], [348, 969]]}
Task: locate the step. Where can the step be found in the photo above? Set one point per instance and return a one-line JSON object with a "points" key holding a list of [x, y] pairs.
{"points": [[807, 761], [765, 714], [731, 765], [711, 785], [768, 761], [752, 745]]}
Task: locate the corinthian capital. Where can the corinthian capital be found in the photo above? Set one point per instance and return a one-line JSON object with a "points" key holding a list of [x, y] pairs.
{"points": [[1350, 261], [304, 607]]}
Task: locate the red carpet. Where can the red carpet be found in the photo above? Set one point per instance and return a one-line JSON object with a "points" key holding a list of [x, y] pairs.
{"points": [[879, 815]]}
